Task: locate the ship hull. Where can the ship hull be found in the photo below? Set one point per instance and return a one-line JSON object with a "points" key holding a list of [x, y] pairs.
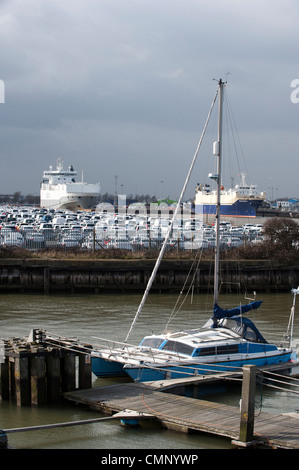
{"points": [[72, 196], [59, 190], [70, 202], [240, 208]]}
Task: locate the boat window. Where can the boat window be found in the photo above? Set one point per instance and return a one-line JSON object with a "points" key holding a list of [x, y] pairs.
{"points": [[240, 328], [218, 350], [232, 325], [250, 335], [152, 342], [207, 351], [178, 347], [228, 349]]}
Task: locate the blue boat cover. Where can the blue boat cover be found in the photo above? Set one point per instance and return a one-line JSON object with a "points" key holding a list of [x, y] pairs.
{"points": [[219, 312]]}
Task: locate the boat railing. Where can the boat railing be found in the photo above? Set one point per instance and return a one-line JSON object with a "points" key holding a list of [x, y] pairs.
{"points": [[197, 369], [127, 351]]}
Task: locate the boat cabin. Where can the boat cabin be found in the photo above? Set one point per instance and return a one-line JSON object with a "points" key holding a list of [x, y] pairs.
{"points": [[227, 338]]}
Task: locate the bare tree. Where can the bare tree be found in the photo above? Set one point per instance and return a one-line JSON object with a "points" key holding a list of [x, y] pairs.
{"points": [[281, 232]]}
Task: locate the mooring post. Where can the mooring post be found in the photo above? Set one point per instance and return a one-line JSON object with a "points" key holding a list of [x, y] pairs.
{"points": [[247, 405], [53, 377], [68, 372], [38, 380], [85, 374], [21, 380], [4, 380]]}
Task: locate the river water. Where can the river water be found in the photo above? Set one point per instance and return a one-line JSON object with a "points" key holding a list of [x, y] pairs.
{"points": [[109, 316]]}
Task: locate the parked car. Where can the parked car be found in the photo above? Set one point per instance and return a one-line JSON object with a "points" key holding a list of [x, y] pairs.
{"points": [[69, 242], [35, 240], [13, 239]]}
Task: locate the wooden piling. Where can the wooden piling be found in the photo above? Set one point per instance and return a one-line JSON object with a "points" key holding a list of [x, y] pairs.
{"points": [[4, 380], [53, 378], [85, 376], [22, 383], [131, 275], [246, 438], [68, 372], [46, 280], [38, 380], [32, 373]]}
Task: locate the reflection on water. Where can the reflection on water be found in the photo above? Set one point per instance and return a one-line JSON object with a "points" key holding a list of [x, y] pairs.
{"points": [[87, 316]]}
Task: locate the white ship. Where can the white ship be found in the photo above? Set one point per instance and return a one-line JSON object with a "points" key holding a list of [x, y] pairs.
{"points": [[59, 190]]}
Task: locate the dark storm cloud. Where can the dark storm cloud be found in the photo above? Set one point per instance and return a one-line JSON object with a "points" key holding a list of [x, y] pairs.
{"points": [[124, 88]]}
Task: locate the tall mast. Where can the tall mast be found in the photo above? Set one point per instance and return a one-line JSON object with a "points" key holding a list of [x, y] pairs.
{"points": [[217, 152], [151, 279]]}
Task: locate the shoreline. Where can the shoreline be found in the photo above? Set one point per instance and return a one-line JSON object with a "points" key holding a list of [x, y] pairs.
{"points": [[128, 276]]}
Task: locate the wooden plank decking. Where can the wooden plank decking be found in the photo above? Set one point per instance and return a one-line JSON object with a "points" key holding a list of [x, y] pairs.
{"points": [[184, 414]]}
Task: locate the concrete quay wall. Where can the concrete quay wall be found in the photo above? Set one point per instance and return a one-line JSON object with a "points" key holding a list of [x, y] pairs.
{"points": [[104, 276]]}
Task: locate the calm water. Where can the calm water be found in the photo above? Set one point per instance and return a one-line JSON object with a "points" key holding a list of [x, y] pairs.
{"points": [[110, 316]]}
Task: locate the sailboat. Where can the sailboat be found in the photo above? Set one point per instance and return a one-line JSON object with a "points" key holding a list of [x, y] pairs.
{"points": [[226, 342]]}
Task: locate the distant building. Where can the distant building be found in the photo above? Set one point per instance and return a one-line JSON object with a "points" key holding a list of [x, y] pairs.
{"points": [[288, 204]]}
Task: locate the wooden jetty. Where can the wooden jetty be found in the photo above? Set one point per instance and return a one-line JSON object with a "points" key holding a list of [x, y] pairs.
{"points": [[42, 368], [188, 414]]}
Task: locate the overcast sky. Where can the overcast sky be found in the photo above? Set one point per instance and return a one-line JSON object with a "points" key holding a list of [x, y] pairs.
{"points": [[123, 87]]}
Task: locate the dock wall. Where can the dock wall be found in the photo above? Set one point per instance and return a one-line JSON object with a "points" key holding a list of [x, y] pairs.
{"points": [[104, 276]]}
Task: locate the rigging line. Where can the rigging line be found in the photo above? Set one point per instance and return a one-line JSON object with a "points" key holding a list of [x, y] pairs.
{"points": [[264, 382], [229, 121], [280, 381], [174, 311], [282, 388], [236, 131], [184, 368], [280, 375], [228, 145], [152, 277]]}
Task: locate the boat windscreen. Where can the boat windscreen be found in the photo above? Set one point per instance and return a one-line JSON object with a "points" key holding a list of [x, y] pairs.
{"points": [[152, 342], [178, 347], [243, 327]]}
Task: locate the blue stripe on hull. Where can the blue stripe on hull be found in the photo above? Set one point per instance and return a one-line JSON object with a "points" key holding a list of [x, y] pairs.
{"points": [[238, 209], [103, 368], [145, 374]]}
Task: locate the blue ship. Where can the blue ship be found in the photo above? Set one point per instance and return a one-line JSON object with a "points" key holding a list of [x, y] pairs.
{"points": [[241, 201]]}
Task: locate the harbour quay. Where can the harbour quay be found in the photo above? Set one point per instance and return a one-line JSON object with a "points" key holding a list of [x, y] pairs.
{"points": [[125, 276]]}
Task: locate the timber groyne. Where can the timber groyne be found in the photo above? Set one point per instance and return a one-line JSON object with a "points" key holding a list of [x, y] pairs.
{"points": [[104, 276]]}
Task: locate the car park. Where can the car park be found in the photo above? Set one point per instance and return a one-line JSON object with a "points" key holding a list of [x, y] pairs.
{"points": [[42, 228]]}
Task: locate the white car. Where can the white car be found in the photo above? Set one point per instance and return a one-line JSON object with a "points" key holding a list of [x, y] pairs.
{"points": [[13, 239]]}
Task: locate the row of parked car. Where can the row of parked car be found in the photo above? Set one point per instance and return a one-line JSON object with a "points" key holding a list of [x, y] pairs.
{"points": [[35, 228]]}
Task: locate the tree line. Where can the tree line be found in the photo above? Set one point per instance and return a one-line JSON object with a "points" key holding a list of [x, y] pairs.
{"points": [[19, 198]]}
